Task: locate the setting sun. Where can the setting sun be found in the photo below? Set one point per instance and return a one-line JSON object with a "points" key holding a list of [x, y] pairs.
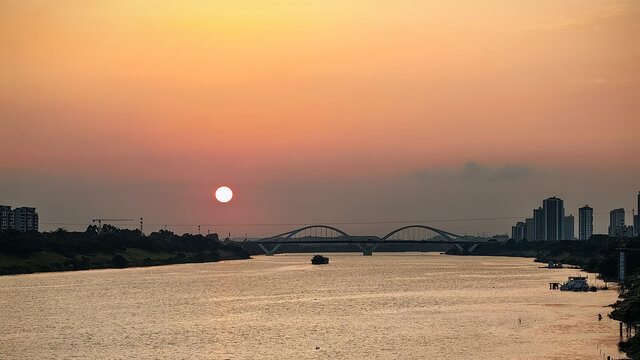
{"points": [[224, 194]]}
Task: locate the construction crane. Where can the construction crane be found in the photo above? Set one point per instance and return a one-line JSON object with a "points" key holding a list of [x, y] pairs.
{"points": [[101, 220]]}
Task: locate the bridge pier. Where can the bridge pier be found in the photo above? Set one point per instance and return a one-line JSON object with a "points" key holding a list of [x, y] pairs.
{"points": [[367, 250], [268, 252], [469, 250]]}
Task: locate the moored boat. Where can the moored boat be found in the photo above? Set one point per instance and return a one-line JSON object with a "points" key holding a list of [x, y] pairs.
{"points": [[319, 260], [576, 283]]}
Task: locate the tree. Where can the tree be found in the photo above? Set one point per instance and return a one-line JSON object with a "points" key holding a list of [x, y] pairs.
{"points": [[119, 261]]}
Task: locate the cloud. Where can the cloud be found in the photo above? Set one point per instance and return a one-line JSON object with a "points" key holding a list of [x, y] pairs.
{"points": [[512, 171], [472, 170]]}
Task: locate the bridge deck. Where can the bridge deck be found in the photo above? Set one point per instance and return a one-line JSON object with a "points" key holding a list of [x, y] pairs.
{"points": [[346, 241]]}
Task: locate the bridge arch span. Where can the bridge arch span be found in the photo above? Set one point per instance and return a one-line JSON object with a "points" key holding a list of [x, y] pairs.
{"points": [[271, 244], [291, 233], [447, 235]]}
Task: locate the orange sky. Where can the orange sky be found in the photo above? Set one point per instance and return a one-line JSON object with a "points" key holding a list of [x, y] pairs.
{"points": [[256, 92]]}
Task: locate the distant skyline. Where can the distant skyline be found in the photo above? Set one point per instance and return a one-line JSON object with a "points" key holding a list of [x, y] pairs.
{"points": [[319, 112], [465, 220]]}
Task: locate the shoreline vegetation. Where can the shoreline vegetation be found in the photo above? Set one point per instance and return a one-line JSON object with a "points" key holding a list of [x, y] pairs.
{"points": [[61, 250], [598, 255]]}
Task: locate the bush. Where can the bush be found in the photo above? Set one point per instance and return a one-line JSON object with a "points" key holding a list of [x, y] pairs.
{"points": [[119, 261]]}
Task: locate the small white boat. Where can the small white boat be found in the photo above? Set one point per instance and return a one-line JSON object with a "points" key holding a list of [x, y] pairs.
{"points": [[576, 283]]}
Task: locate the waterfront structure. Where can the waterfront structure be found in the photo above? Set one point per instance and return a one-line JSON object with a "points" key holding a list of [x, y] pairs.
{"points": [[25, 219], [569, 222], [616, 222], [6, 217], [585, 222], [553, 208], [529, 229], [517, 231], [538, 221], [636, 219]]}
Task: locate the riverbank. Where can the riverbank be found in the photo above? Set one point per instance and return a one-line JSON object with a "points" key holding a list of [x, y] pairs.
{"points": [[599, 255], [23, 253], [45, 261]]}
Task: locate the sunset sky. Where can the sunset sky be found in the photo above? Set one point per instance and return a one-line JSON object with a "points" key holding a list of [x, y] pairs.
{"points": [[318, 111]]}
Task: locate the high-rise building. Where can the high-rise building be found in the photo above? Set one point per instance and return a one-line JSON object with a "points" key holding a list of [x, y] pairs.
{"points": [[628, 231], [616, 222], [6, 217], [569, 222], [25, 219], [529, 229], [553, 218], [538, 220], [517, 231], [585, 222]]}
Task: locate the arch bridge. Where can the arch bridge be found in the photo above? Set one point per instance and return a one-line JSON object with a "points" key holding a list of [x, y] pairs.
{"points": [[325, 234]]}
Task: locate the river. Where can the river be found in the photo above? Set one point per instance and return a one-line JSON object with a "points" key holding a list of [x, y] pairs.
{"points": [[386, 306]]}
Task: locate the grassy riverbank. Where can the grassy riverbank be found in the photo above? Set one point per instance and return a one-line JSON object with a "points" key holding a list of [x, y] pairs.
{"points": [[61, 250], [598, 255]]}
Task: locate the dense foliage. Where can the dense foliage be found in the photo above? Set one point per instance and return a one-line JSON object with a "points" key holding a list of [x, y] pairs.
{"points": [[627, 310], [110, 247]]}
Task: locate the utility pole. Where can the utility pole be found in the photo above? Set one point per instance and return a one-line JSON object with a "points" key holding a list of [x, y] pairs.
{"points": [[141, 233], [198, 229]]}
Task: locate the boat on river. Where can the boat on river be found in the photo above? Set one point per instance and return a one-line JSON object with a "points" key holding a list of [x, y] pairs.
{"points": [[576, 283], [319, 260], [553, 265]]}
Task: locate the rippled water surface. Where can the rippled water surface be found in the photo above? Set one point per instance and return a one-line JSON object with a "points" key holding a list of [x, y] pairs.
{"points": [[388, 306]]}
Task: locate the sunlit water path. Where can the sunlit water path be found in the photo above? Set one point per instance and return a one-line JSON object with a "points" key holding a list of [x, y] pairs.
{"points": [[388, 306]]}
